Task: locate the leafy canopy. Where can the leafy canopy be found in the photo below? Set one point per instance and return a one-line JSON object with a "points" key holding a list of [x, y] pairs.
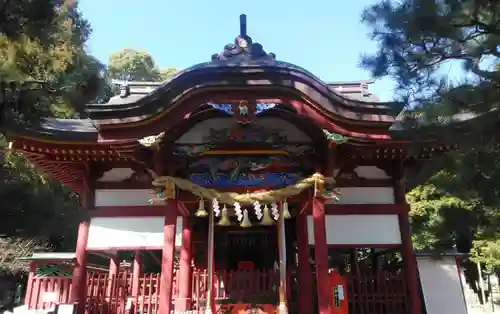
{"points": [[419, 39], [54, 54], [134, 65]]}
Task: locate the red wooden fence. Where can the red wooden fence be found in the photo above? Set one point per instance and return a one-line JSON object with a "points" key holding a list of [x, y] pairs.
{"points": [[45, 292], [367, 293]]}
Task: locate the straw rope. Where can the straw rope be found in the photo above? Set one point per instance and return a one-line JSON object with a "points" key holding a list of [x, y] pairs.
{"points": [[244, 198]]}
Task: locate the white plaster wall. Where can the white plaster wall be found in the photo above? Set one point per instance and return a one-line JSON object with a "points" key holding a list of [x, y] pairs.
{"points": [[441, 285], [116, 175], [104, 197], [362, 195], [197, 133], [371, 173], [358, 229], [367, 172], [129, 232]]}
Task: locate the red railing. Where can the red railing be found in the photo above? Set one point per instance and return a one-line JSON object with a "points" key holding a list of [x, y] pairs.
{"points": [[237, 285], [46, 292], [367, 293], [380, 293], [108, 294]]}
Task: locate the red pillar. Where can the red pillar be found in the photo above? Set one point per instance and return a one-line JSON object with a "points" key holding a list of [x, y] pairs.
{"points": [[79, 281], [167, 260], [306, 286], [183, 302], [136, 273], [114, 263], [321, 253], [409, 258], [29, 287]]}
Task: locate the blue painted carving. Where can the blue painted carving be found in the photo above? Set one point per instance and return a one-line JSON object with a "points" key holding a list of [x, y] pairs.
{"points": [[244, 171], [270, 179], [228, 108]]}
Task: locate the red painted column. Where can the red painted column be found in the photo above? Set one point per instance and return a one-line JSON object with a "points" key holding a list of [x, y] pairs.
{"points": [[167, 260], [183, 302], [321, 253], [29, 287], [409, 258], [79, 280], [306, 286], [114, 264], [136, 273]]}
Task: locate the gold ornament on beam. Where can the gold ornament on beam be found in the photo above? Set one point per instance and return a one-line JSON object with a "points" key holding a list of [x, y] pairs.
{"points": [[319, 186], [170, 190], [201, 212], [245, 223], [284, 210], [266, 218], [224, 220]]}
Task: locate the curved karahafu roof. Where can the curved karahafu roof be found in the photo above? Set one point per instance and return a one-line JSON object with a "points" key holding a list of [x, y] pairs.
{"points": [[242, 71]]}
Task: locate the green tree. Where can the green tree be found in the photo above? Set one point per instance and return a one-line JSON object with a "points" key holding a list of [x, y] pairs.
{"points": [[417, 39], [33, 207], [59, 60], [167, 74], [457, 208], [32, 18], [134, 65]]}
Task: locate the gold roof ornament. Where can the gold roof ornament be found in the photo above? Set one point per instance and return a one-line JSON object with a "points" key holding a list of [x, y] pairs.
{"points": [[153, 141]]}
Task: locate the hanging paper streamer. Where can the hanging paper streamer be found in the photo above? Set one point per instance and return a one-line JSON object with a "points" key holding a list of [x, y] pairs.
{"points": [[215, 207], [237, 211], [258, 210], [274, 211]]}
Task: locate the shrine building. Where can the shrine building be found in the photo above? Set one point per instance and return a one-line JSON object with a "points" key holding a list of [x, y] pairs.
{"points": [[249, 182]]}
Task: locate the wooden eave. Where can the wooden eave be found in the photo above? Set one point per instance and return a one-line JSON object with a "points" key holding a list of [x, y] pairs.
{"points": [[396, 150], [67, 161], [276, 76]]}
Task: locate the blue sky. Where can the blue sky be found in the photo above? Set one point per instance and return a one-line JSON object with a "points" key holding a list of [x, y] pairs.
{"points": [[325, 37]]}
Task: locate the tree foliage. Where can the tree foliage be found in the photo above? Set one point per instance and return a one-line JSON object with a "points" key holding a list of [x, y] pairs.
{"points": [[134, 65], [57, 58], [33, 207], [32, 18], [418, 39], [458, 208]]}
